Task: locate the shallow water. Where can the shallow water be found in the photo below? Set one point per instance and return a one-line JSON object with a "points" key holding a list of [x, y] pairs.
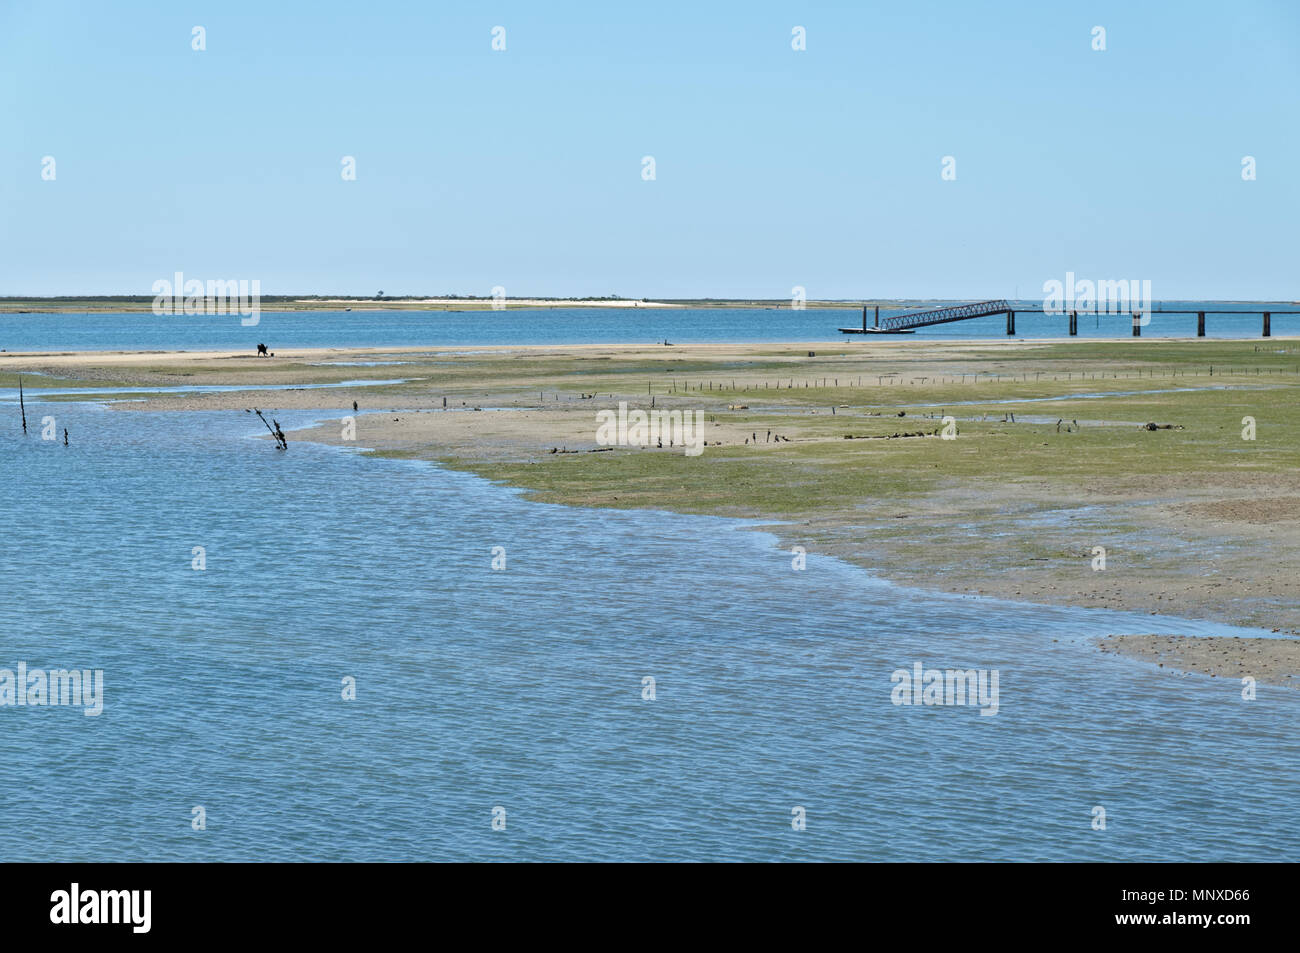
{"points": [[364, 363], [1084, 395], [146, 331], [10, 395], [522, 688]]}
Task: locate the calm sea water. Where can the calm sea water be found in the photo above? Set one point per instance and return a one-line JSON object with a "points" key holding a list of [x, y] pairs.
{"points": [[136, 331], [522, 688]]}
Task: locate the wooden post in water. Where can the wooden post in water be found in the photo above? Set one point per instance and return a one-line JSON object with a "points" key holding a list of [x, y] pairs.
{"points": [[1011, 322], [1137, 324], [877, 315], [22, 406], [276, 432], [864, 319], [1268, 324], [1200, 324], [1074, 324]]}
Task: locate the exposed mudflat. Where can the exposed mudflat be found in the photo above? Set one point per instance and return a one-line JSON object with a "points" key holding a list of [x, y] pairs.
{"points": [[1267, 661]]}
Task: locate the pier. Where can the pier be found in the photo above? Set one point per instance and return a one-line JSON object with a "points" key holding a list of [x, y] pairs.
{"points": [[909, 322]]}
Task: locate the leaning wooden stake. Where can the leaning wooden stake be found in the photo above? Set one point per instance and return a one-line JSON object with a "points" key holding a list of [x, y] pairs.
{"points": [[21, 406], [276, 432]]}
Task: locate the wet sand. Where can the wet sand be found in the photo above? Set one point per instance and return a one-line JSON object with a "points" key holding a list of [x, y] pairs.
{"points": [[1267, 661]]}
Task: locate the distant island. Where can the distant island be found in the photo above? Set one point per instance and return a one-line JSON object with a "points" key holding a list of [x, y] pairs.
{"points": [[126, 303]]}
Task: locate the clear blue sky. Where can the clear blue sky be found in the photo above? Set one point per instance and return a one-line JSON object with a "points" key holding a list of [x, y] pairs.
{"points": [[774, 168]]}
